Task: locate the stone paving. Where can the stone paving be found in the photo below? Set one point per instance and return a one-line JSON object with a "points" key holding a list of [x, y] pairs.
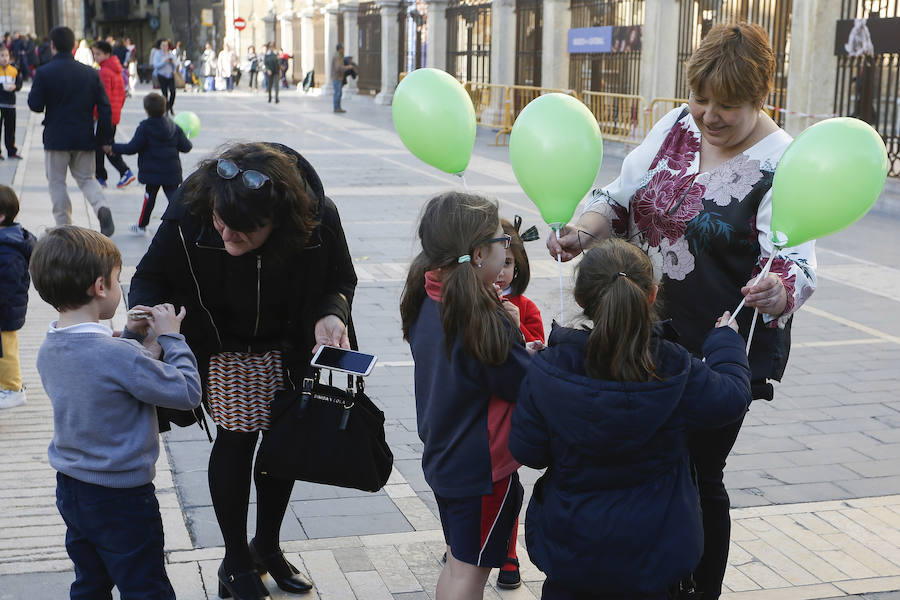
{"points": [[814, 477]]}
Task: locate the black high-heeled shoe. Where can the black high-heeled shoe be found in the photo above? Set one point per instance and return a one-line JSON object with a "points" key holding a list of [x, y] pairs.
{"points": [[284, 573], [245, 585]]}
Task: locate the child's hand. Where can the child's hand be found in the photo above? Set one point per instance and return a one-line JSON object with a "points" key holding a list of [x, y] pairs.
{"points": [[164, 320], [534, 347], [723, 321], [136, 322], [513, 311]]}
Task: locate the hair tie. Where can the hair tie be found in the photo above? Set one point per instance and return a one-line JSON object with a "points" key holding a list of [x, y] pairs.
{"points": [[621, 274], [464, 259]]}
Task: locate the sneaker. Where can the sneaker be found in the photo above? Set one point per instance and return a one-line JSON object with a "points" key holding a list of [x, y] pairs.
{"points": [[339, 110], [509, 579], [11, 398], [137, 229], [16, 156], [107, 227], [102, 182], [127, 178]]}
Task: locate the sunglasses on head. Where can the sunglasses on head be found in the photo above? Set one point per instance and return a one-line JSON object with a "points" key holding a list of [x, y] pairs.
{"points": [[253, 180]]}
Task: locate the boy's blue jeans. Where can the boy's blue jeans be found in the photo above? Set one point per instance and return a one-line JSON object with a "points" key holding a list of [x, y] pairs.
{"points": [[115, 538]]}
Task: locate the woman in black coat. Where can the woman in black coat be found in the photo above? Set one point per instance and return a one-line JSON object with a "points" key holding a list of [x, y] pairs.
{"points": [[256, 252]]}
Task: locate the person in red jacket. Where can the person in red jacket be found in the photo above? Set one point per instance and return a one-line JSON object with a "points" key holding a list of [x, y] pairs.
{"points": [[511, 284], [111, 76]]}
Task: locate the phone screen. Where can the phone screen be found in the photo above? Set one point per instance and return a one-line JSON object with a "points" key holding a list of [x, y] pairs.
{"points": [[344, 360]]}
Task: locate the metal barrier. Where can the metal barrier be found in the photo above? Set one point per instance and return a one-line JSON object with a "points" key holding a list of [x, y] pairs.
{"points": [[621, 116], [658, 109], [491, 103]]}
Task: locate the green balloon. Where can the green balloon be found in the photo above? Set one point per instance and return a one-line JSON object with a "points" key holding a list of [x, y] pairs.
{"points": [[434, 116], [189, 123], [827, 179], [556, 149]]}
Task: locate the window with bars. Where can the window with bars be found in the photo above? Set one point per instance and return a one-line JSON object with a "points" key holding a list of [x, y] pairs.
{"points": [[613, 72], [369, 21], [469, 40], [413, 37], [528, 42]]}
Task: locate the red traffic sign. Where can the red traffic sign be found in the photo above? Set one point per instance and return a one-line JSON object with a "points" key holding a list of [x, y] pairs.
{"points": [[240, 24]]}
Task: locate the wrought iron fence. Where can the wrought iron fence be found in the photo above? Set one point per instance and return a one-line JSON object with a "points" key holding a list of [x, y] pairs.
{"points": [[612, 72], [868, 87], [697, 17], [413, 38], [529, 24], [369, 21], [469, 40]]}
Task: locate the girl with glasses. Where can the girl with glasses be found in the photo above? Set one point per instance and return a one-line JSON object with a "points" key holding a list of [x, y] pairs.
{"points": [[254, 249], [469, 360]]}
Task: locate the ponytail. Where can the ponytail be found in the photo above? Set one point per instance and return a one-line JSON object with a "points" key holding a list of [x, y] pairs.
{"points": [[614, 283]]}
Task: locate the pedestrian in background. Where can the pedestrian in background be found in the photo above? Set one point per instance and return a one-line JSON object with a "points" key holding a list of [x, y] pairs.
{"points": [[105, 388], [253, 61], [16, 244], [273, 70], [208, 65], [338, 71], [83, 54], [111, 75], [10, 83], [157, 142], [164, 66], [224, 66], [68, 93]]}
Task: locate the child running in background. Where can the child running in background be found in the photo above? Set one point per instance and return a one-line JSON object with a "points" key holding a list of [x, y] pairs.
{"points": [[470, 360], [157, 142], [512, 281], [608, 410]]}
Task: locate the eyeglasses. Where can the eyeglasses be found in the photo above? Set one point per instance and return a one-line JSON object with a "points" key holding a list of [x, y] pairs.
{"points": [[227, 169], [505, 238]]}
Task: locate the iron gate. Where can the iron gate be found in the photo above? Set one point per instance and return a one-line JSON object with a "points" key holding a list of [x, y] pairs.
{"points": [[697, 17], [528, 42], [868, 87], [469, 40], [413, 38], [369, 21], [619, 71]]}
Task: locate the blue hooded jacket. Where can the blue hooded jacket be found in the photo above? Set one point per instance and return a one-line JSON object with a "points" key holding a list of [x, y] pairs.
{"points": [[617, 500], [16, 244], [157, 142]]}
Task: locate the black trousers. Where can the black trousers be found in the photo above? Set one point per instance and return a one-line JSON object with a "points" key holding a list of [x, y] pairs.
{"points": [[167, 89], [709, 450], [272, 82], [150, 192], [115, 160], [8, 124]]}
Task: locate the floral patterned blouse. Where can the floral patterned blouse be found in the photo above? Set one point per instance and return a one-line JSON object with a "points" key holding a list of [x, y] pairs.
{"points": [[708, 233]]}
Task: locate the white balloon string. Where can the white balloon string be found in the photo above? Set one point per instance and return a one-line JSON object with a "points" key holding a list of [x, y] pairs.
{"points": [[752, 328], [562, 318], [759, 277], [462, 176]]}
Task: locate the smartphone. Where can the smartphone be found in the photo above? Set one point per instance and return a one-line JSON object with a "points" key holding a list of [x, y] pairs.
{"points": [[345, 361]]}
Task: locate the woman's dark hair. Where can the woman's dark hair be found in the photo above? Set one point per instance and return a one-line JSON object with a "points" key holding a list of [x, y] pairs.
{"points": [[613, 284], [522, 272], [285, 200], [454, 224]]}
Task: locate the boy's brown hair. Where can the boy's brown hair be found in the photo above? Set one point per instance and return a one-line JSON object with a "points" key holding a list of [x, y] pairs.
{"points": [[67, 261], [9, 205], [155, 105], [736, 61]]}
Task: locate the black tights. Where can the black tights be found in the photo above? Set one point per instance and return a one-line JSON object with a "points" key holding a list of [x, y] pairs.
{"points": [[229, 485]]}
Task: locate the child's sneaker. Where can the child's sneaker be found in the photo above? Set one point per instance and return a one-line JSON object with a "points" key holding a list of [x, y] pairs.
{"points": [[16, 156], [102, 182], [11, 398], [137, 230], [509, 579], [127, 178]]}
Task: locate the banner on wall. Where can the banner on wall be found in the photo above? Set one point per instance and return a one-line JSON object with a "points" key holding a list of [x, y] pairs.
{"points": [[605, 39]]}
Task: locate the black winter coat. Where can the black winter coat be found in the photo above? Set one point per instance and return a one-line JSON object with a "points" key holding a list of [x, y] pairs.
{"points": [[617, 500], [293, 292], [68, 91], [16, 244], [157, 142]]}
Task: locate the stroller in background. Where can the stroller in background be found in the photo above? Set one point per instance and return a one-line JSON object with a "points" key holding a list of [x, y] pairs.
{"points": [[191, 83]]}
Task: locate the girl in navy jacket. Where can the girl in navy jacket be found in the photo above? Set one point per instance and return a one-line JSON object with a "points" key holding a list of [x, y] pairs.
{"points": [[470, 360], [607, 411]]}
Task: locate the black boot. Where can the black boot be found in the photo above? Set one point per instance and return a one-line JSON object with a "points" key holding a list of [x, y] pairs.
{"points": [[241, 586], [509, 580], [284, 573]]}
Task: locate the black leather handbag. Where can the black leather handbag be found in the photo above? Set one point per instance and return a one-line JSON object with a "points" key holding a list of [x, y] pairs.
{"points": [[324, 434]]}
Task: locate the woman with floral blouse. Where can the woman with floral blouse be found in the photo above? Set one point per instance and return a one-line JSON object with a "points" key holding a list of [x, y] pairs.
{"points": [[696, 196]]}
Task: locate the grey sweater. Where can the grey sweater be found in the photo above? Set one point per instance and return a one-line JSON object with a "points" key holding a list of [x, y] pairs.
{"points": [[104, 392]]}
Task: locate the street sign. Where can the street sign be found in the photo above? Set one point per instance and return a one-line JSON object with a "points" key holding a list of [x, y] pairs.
{"points": [[206, 17], [240, 24]]}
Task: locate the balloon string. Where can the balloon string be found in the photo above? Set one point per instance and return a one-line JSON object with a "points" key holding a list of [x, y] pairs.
{"points": [[462, 175], [759, 277], [562, 317], [752, 329]]}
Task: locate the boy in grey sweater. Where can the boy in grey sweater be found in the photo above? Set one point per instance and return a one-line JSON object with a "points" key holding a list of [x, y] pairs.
{"points": [[105, 389]]}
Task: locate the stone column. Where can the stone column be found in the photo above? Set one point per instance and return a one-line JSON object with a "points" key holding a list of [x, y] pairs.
{"points": [[503, 42], [286, 21], [331, 38], [308, 40], [351, 43], [556, 20], [436, 51], [390, 41], [659, 55], [813, 25]]}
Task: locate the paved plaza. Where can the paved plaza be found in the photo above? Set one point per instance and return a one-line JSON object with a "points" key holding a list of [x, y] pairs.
{"points": [[814, 477]]}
